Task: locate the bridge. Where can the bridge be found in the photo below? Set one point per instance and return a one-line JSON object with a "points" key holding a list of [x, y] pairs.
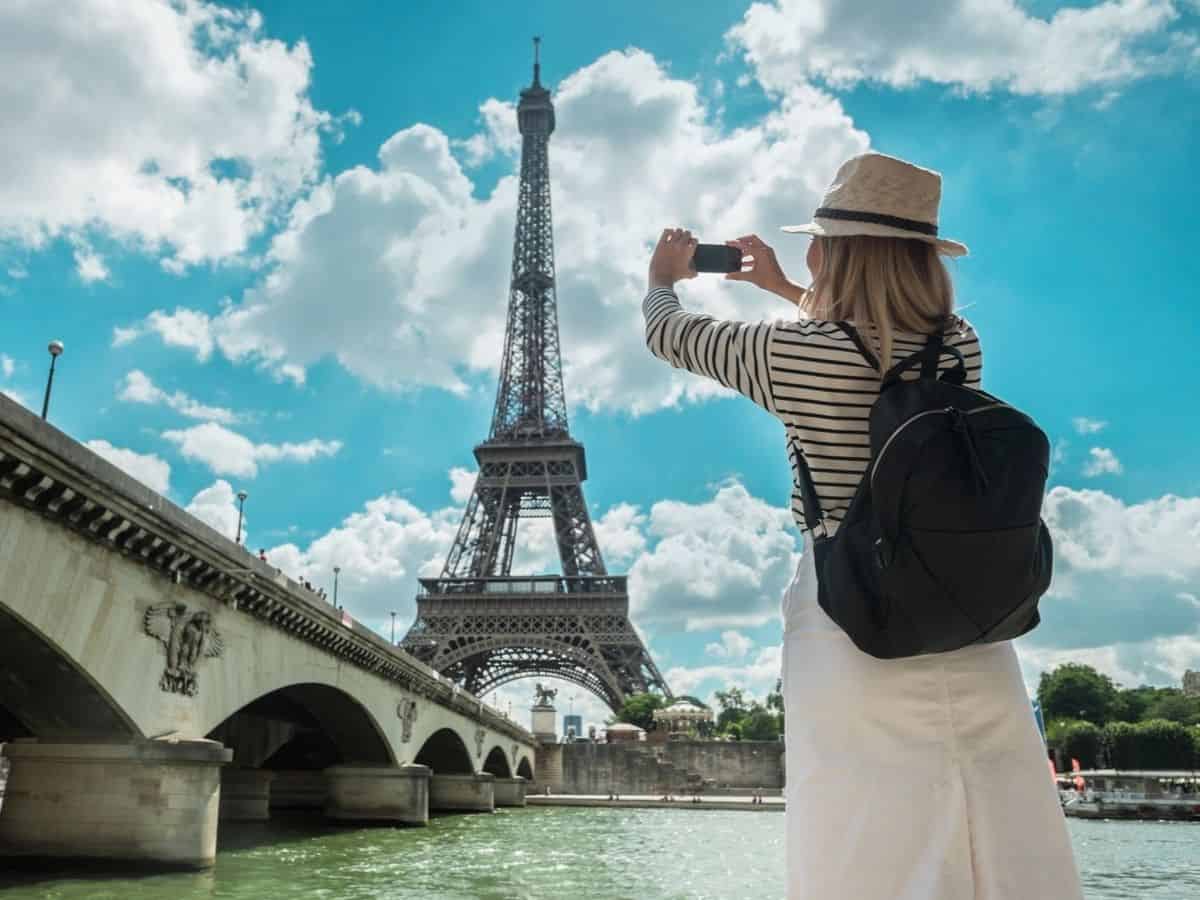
{"points": [[156, 678]]}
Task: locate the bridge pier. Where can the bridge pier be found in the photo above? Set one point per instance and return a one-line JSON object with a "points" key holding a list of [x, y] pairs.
{"points": [[510, 791], [463, 793], [245, 794], [363, 793], [152, 802]]}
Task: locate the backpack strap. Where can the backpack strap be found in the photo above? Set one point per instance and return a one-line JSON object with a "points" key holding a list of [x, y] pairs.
{"points": [[928, 358], [852, 333], [814, 517]]}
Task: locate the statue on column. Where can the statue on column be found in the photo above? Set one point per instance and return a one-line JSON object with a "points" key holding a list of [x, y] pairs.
{"points": [[545, 696]]}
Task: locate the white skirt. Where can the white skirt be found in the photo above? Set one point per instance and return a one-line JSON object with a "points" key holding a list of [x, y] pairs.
{"points": [[913, 779]]}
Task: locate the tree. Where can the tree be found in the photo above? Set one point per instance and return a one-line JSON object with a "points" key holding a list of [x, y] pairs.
{"points": [[1165, 745], [1175, 706], [1077, 691], [1121, 746], [760, 725], [1133, 704], [638, 710], [734, 706]]}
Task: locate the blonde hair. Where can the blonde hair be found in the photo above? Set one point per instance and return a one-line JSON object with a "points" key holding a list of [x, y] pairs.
{"points": [[881, 284]]}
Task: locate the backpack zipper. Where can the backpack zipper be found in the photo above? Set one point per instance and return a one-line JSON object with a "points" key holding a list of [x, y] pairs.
{"points": [[921, 415]]}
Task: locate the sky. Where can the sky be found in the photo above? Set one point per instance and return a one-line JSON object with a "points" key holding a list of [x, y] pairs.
{"points": [[275, 238]]}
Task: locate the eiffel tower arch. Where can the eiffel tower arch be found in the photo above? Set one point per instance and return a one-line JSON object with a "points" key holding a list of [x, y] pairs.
{"points": [[479, 624]]}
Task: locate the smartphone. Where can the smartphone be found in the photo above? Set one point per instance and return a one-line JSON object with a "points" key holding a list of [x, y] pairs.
{"points": [[717, 258]]}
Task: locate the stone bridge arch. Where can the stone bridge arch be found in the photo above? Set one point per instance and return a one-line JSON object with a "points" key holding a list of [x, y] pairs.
{"points": [[497, 763], [45, 693], [321, 725], [525, 768]]}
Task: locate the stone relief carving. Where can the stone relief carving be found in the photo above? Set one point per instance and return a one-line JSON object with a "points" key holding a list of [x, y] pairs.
{"points": [[545, 696], [186, 638], [407, 711], [515, 750], [480, 737]]}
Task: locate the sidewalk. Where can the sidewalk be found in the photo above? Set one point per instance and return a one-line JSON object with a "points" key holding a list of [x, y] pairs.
{"points": [[651, 801]]}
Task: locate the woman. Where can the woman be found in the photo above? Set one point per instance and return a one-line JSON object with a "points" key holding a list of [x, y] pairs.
{"points": [[910, 779]]}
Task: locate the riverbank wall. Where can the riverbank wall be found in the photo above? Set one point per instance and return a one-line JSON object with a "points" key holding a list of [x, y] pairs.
{"points": [[648, 768]]}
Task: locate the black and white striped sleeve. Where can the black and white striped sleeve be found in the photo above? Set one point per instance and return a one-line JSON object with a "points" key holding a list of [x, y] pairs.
{"points": [[734, 354]]}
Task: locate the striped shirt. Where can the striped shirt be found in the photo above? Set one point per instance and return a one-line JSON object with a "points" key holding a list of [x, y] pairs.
{"points": [[806, 373]]}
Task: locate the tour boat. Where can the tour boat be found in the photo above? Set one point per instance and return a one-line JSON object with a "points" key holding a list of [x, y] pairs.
{"points": [[1131, 794]]}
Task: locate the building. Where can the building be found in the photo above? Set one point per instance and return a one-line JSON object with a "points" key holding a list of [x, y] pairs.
{"points": [[572, 727], [1191, 682]]}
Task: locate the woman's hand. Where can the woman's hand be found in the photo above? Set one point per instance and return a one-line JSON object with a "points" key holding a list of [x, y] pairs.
{"points": [[672, 259], [760, 267]]}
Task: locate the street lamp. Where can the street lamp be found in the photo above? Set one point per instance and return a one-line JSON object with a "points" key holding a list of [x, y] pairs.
{"points": [[336, 569], [56, 349], [241, 495], [393, 628]]}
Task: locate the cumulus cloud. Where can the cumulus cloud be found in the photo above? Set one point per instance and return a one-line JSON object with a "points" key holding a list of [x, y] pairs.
{"points": [[970, 45], [7, 365], [411, 241], [1126, 579], [147, 468], [89, 265], [1084, 425], [1101, 461], [217, 507], [722, 563], [756, 677], [462, 484], [178, 128], [733, 645], [227, 452], [137, 387]]}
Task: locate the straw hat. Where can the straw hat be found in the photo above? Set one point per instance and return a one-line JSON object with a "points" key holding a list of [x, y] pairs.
{"points": [[882, 196]]}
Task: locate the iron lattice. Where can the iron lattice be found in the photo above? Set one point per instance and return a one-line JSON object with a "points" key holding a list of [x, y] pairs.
{"points": [[478, 624]]}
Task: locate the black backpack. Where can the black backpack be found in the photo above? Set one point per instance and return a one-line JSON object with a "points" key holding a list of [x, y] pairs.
{"points": [[943, 544]]}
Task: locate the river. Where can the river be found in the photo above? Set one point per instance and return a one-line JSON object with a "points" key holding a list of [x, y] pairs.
{"points": [[549, 854]]}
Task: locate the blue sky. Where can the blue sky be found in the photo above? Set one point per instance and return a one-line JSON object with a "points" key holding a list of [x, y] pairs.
{"points": [[274, 239]]}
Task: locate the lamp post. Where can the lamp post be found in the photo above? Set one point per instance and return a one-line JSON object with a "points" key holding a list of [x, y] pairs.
{"points": [[241, 495], [336, 569], [56, 349], [393, 628]]}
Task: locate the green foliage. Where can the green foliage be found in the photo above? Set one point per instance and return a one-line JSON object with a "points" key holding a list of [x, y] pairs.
{"points": [[734, 732], [1176, 706], [1082, 741], [639, 710], [1120, 743], [760, 724], [1077, 691], [1165, 745]]}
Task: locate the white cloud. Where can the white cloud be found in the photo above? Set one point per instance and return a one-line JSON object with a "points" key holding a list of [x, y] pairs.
{"points": [[89, 265], [1125, 582], [462, 484], [147, 468], [178, 128], [7, 365], [217, 506], [1084, 425], [1101, 461], [722, 563], [971, 45], [137, 387], [419, 244], [756, 677], [227, 452], [733, 645], [186, 328]]}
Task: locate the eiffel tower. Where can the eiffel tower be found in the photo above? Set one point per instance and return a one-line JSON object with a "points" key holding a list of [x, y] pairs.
{"points": [[478, 624]]}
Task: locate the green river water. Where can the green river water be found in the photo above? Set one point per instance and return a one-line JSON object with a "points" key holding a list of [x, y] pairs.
{"points": [[548, 853]]}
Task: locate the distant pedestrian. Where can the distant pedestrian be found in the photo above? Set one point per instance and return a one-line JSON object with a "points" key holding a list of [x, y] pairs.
{"points": [[262, 554]]}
